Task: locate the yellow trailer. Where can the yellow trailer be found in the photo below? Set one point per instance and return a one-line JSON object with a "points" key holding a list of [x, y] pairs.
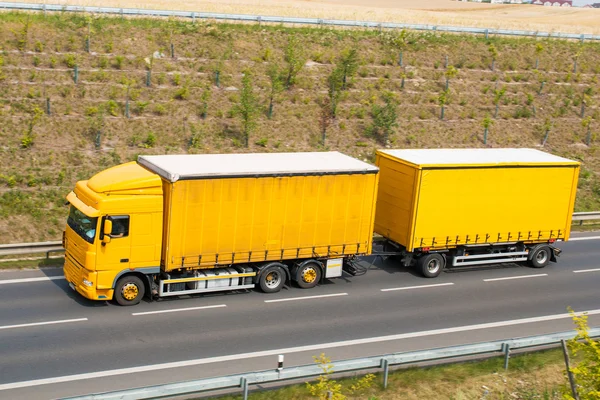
{"points": [[474, 206], [181, 224]]}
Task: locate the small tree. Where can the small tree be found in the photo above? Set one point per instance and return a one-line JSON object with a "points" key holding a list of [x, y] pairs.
{"points": [[295, 59], [327, 389], [443, 99], [325, 117], [498, 95], [348, 63], [247, 109], [586, 123], [335, 85], [204, 103], [538, 51], [587, 371], [546, 129], [276, 86], [450, 73], [385, 118], [576, 56], [22, 35], [494, 54], [35, 115], [487, 123]]}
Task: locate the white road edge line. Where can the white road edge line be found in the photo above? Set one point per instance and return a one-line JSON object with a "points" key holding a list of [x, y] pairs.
{"points": [[25, 280], [416, 287], [514, 277], [584, 238], [586, 270], [64, 321], [179, 309], [265, 353], [307, 297]]}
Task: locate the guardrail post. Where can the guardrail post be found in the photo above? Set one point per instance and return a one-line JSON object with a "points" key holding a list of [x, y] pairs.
{"points": [[506, 351], [569, 373], [487, 31], [386, 370], [244, 385], [582, 37]]}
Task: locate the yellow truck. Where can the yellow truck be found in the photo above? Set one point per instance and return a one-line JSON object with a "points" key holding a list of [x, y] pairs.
{"points": [[182, 224], [439, 208]]}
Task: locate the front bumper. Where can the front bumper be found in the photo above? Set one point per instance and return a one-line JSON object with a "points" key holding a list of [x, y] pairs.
{"points": [[76, 275]]}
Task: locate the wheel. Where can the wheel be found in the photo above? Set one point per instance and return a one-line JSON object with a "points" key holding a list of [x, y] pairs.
{"points": [[308, 275], [431, 265], [129, 290], [540, 256], [272, 279]]}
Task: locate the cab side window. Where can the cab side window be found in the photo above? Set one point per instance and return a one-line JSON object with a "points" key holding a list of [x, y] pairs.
{"points": [[120, 226]]}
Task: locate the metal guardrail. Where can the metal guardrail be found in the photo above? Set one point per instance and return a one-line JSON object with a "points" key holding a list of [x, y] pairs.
{"points": [[31, 248], [383, 363], [292, 20], [586, 216], [56, 246]]}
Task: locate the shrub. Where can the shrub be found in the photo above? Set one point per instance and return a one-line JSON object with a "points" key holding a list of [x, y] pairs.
{"points": [[118, 62], [182, 93], [112, 108], [150, 140], [70, 61]]}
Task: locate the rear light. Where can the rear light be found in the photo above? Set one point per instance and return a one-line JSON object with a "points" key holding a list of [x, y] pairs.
{"points": [[425, 249], [551, 241]]}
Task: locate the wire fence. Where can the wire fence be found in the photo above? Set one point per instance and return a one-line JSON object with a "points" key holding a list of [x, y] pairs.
{"points": [[193, 15]]}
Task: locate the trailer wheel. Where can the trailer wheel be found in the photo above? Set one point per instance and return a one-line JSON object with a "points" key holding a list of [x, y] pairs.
{"points": [[540, 256], [431, 265], [129, 290], [308, 275], [272, 279]]}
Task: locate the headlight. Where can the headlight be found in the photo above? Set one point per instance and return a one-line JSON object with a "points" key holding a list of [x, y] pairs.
{"points": [[87, 283]]}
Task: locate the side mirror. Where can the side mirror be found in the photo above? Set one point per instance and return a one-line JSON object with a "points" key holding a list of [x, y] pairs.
{"points": [[107, 227], [106, 232]]}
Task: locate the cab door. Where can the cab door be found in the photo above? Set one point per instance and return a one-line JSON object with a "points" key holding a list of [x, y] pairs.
{"points": [[115, 255]]}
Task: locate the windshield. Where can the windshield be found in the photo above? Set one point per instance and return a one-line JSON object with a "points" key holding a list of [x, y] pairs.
{"points": [[82, 224]]}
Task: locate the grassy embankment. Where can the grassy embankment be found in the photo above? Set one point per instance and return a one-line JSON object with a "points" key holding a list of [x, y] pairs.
{"points": [[42, 156], [532, 376]]}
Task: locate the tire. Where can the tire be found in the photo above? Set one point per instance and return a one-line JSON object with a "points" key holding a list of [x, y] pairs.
{"points": [[272, 279], [540, 256], [308, 275], [129, 290], [431, 265]]}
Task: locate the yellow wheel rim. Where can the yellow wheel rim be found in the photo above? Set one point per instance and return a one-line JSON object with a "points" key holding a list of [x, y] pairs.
{"points": [[309, 275], [130, 291]]}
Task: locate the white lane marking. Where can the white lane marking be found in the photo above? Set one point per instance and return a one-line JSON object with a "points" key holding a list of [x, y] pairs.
{"points": [[586, 270], [64, 321], [417, 287], [307, 297], [585, 238], [312, 348], [25, 280], [179, 309], [514, 277]]}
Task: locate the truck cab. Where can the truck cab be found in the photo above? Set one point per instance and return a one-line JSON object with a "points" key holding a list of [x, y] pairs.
{"points": [[114, 233]]}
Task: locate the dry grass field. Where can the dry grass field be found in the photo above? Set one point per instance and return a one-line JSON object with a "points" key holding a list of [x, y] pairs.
{"points": [[438, 12]]}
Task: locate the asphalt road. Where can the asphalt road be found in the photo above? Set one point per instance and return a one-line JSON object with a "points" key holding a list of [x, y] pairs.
{"points": [[54, 343]]}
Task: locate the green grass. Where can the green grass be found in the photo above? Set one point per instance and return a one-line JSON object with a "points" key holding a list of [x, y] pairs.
{"points": [[530, 376], [32, 264]]}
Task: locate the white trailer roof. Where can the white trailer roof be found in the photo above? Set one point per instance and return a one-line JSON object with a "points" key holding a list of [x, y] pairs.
{"points": [[198, 166], [472, 157]]}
